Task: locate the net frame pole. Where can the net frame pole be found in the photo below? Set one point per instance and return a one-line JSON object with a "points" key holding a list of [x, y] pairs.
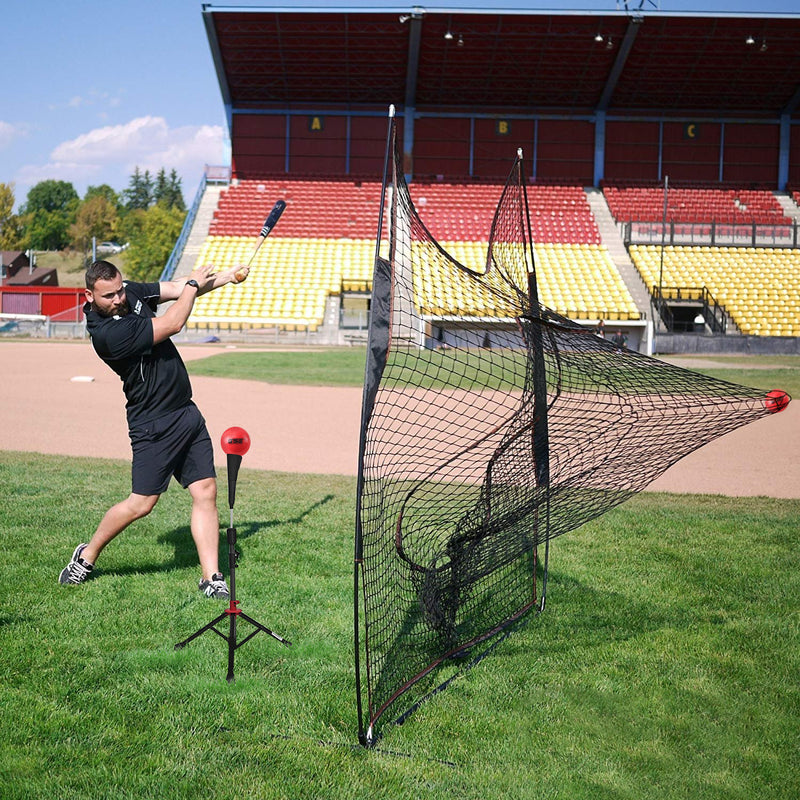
{"points": [[364, 737], [546, 559], [540, 443], [661, 257]]}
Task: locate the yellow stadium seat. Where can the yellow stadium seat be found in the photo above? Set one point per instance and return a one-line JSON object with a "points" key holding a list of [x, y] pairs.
{"points": [[752, 283]]}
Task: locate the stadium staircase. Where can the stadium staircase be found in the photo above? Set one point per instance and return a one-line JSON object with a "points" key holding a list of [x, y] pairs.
{"points": [[328, 332], [200, 229], [610, 237], [790, 208]]}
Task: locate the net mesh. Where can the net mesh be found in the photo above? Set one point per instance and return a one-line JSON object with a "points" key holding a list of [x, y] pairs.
{"points": [[520, 427]]}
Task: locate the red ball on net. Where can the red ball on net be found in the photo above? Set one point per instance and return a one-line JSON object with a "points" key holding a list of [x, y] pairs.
{"points": [[776, 401], [235, 441]]}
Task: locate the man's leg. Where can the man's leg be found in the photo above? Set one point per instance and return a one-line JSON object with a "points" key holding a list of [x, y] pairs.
{"points": [[115, 520], [205, 524]]}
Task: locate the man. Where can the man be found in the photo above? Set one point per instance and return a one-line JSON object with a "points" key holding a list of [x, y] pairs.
{"points": [[168, 434], [600, 330]]}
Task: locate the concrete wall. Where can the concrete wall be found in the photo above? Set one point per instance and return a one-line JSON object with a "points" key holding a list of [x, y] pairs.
{"points": [[688, 343]]}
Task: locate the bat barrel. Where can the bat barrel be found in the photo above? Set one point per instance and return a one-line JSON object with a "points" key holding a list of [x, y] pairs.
{"points": [[274, 216]]}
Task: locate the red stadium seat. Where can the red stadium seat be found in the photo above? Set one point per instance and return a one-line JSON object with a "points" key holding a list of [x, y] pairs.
{"points": [[694, 205], [349, 209]]}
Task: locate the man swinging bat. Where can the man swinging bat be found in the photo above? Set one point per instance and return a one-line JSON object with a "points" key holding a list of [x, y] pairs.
{"points": [[167, 431]]}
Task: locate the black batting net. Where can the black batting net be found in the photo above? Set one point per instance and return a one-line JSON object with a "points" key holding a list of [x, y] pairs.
{"points": [[480, 446]]}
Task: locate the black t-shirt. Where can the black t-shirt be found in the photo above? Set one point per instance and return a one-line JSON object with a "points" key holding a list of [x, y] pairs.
{"points": [[154, 377]]}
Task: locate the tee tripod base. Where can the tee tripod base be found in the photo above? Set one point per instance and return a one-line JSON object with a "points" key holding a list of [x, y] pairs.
{"points": [[233, 614]]}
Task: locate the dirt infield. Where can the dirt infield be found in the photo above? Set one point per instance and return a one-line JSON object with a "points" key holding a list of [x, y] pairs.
{"points": [[310, 429]]}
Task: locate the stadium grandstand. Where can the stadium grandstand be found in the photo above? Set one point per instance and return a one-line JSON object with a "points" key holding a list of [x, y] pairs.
{"points": [[661, 156]]}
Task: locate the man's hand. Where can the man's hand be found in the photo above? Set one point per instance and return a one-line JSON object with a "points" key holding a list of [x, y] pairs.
{"points": [[202, 274], [207, 280], [240, 274]]}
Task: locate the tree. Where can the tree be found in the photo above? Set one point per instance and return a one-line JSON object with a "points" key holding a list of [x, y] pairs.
{"points": [[152, 239], [45, 230], [51, 195], [10, 224], [131, 225], [103, 190], [161, 187], [139, 193], [46, 216], [168, 190], [175, 191], [97, 217]]}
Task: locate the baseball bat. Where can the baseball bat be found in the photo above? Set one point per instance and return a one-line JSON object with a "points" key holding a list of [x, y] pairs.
{"points": [[269, 224]]}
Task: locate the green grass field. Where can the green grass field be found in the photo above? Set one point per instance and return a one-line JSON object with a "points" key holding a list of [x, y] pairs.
{"points": [[665, 665], [345, 367]]}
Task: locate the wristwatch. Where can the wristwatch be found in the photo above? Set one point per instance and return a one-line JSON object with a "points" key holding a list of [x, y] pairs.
{"points": [[193, 282]]}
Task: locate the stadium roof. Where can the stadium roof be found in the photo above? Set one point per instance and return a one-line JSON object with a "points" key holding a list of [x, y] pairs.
{"points": [[533, 62]]}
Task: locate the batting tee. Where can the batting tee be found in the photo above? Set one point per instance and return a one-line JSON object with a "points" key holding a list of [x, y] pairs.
{"points": [[473, 457]]}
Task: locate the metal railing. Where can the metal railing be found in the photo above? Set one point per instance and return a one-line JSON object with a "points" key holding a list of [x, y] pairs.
{"points": [[732, 234], [714, 314], [183, 237]]}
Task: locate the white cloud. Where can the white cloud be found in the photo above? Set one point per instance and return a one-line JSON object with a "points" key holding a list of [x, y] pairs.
{"points": [[187, 148], [115, 143], [93, 97], [9, 133], [146, 142], [31, 174], [110, 154]]}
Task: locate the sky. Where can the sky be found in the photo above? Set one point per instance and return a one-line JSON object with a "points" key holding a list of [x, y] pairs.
{"points": [[91, 89]]}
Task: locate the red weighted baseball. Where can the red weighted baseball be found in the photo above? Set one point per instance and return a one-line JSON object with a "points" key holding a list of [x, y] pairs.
{"points": [[235, 441], [776, 401]]}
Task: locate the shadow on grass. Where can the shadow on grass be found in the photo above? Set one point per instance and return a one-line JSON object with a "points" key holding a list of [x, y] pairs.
{"points": [[254, 527], [586, 615], [185, 554], [579, 617]]}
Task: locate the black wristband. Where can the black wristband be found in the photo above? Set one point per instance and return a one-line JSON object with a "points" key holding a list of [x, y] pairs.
{"points": [[193, 282]]}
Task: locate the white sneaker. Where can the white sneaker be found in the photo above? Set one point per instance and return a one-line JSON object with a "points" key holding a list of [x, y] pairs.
{"points": [[78, 570], [216, 587]]}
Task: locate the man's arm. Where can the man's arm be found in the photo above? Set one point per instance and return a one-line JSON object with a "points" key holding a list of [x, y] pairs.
{"points": [[174, 319], [171, 322], [208, 281]]}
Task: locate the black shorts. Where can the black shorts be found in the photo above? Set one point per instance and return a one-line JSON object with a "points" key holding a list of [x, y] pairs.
{"points": [[176, 444]]}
